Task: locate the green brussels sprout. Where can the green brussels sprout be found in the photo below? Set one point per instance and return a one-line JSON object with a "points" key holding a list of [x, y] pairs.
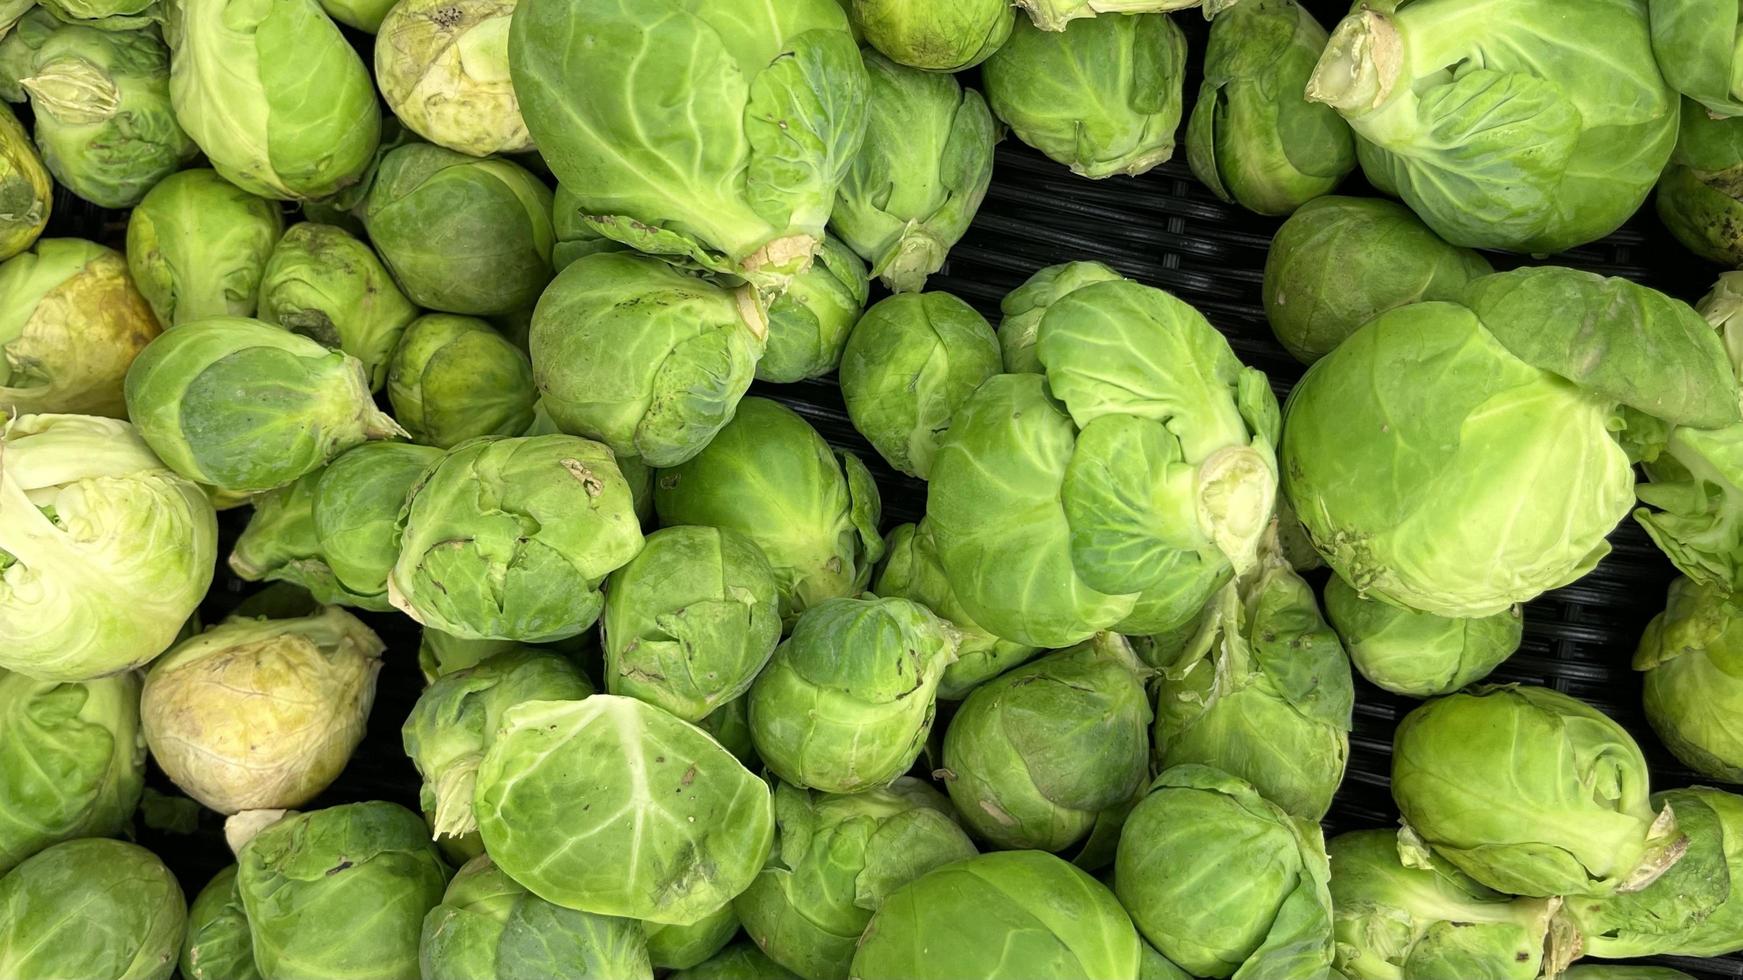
{"points": [[910, 363], [26, 192], [340, 892], [274, 95], [326, 285], [1262, 693], [262, 714], [1455, 758], [674, 827], [453, 378], [1395, 920], [1699, 44], [1102, 96], [440, 654], [729, 725], [914, 188], [1013, 915], [1700, 197], [1035, 755], [682, 947], [525, 561], [488, 926], [911, 571], [104, 553], [71, 322], [1418, 654], [1338, 262], [91, 908], [217, 945], [242, 405], [839, 857], [1249, 145], [1024, 307], [771, 477], [1689, 655], [574, 237], [198, 245], [26, 32], [443, 68], [109, 15], [728, 150], [691, 620], [462, 235], [939, 37], [1069, 503], [1551, 139], [646, 358], [73, 761], [739, 961], [847, 701], [809, 323], [365, 15], [1224, 882], [1414, 452]]}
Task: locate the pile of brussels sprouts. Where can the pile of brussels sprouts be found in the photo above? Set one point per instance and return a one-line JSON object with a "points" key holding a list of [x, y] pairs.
{"points": [[453, 309]]}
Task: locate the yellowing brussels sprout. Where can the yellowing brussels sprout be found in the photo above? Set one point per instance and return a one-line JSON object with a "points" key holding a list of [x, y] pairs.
{"points": [[839, 857], [26, 192], [462, 235], [273, 94], [910, 363], [809, 323], [73, 761], [70, 324], [453, 378], [648, 359], [673, 828], [771, 477], [1102, 97], [939, 37], [242, 405], [1549, 139], [1543, 753], [217, 945], [1689, 655], [848, 700], [1015, 915], [91, 908], [365, 15], [1338, 262], [1223, 882], [1024, 307], [1418, 654], [197, 246], [1699, 44], [328, 286], [104, 553], [740, 961], [443, 67], [682, 947], [1700, 198]]}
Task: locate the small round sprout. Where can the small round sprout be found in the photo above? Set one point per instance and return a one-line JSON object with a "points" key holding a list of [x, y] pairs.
{"points": [[941, 37], [1419, 654], [809, 323], [26, 190], [454, 378], [1024, 307], [325, 284], [197, 246], [443, 68], [1690, 655], [218, 946]]}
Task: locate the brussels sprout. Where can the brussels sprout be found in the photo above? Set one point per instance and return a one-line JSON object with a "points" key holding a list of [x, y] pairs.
{"points": [[525, 561], [1015, 915], [1263, 693], [691, 620], [462, 235], [1222, 881], [847, 702], [1417, 654], [1394, 920], [217, 946], [1103, 97], [1456, 760], [1268, 152], [1699, 44], [729, 725], [674, 826], [91, 908], [443, 68], [442, 653], [26, 32], [939, 37], [914, 188], [260, 714], [242, 405], [1024, 307], [340, 892], [808, 325], [489, 927], [365, 15], [1547, 140], [911, 571], [840, 856], [453, 378], [1338, 262], [1054, 15], [648, 359], [911, 361], [197, 246], [328, 286], [1035, 755], [740, 961], [771, 477], [26, 192], [104, 553], [682, 947], [109, 15], [71, 322], [727, 151], [1689, 655], [1071, 503], [1700, 197], [273, 94], [72, 761], [574, 237]]}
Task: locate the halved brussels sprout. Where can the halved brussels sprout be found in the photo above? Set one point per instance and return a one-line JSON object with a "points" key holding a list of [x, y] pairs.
{"points": [[26, 192], [809, 323], [1024, 307], [91, 908], [1419, 654], [217, 946], [443, 68], [1691, 655], [328, 286], [197, 246], [939, 37], [453, 378], [1700, 196]]}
